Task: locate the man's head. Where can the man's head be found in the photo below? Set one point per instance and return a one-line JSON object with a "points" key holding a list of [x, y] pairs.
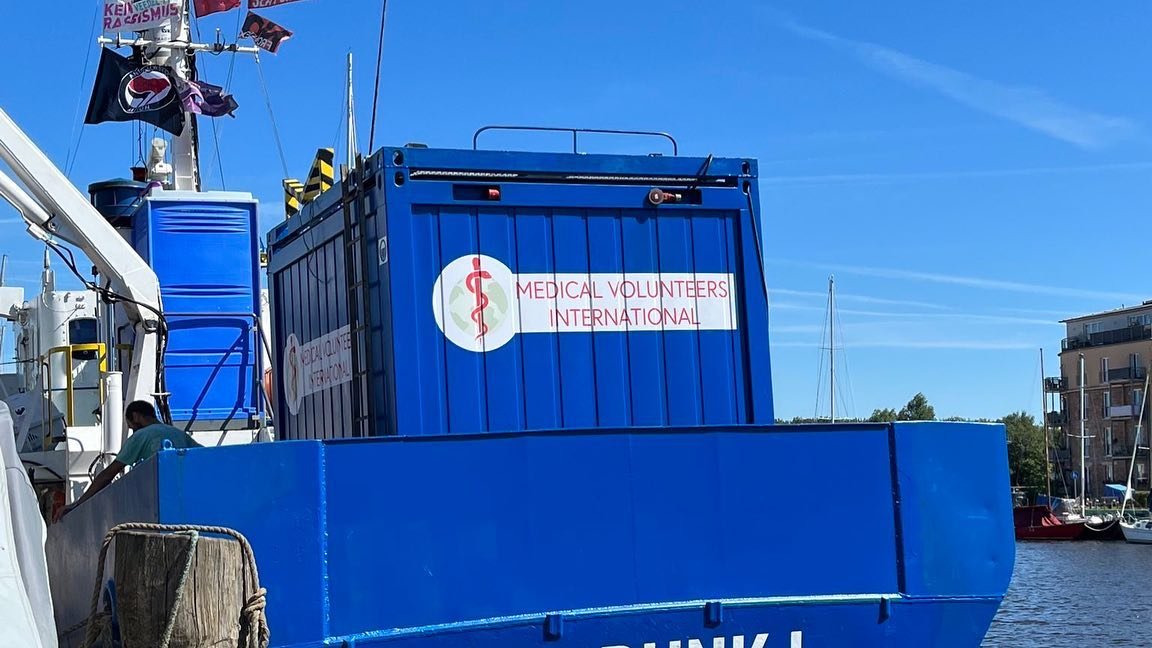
{"points": [[140, 414]]}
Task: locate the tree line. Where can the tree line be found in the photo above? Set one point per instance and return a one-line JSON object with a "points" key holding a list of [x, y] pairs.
{"points": [[1025, 436]]}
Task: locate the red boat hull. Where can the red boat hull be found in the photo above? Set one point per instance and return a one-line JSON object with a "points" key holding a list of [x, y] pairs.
{"points": [[1038, 523]]}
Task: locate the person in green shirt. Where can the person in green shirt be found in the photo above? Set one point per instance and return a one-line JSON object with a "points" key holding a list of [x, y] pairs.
{"points": [[147, 438]]}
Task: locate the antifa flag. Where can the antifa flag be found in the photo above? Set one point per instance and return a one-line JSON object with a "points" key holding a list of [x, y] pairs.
{"points": [[124, 91], [209, 7], [266, 34], [206, 99]]}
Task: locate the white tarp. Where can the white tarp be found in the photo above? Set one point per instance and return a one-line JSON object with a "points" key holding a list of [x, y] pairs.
{"points": [[26, 616]]}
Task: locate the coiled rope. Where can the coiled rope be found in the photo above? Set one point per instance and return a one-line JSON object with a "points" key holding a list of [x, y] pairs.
{"points": [[254, 631]]}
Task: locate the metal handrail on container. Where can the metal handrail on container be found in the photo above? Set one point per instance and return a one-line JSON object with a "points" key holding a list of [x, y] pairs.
{"points": [[263, 344]]}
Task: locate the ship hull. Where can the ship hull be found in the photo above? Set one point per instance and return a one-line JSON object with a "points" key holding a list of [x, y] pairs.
{"points": [[791, 623], [624, 538]]}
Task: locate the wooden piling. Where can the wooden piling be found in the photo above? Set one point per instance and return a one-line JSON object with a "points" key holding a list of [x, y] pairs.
{"points": [[148, 576]]}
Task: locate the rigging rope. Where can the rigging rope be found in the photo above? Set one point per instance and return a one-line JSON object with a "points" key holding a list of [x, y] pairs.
{"points": [[74, 152], [271, 115], [379, 59]]}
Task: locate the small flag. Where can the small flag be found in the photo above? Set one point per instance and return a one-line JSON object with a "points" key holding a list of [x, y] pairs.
{"points": [[206, 99], [266, 34], [209, 7], [321, 176], [124, 91], [264, 4]]}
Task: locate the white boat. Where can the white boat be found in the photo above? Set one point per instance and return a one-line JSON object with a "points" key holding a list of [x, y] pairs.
{"points": [[1138, 532], [1135, 531]]}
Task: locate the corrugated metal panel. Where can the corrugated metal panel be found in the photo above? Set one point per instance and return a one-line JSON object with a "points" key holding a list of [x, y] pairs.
{"points": [[663, 318], [203, 248]]}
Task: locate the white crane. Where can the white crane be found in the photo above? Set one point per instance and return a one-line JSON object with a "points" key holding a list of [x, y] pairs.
{"points": [[54, 208]]}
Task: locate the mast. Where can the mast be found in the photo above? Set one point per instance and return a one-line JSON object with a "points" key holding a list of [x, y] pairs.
{"points": [[353, 147], [185, 157], [170, 44], [1044, 422], [1083, 438], [831, 347], [1135, 445]]}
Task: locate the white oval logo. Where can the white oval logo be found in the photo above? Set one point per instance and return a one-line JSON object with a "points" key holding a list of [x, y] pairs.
{"points": [[475, 304], [293, 376]]}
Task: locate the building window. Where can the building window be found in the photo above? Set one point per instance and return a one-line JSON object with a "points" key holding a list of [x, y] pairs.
{"points": [[1137, 401], [1093, 327], [1108, 442], [1107, 403], [1103, 370], [1140, 471], [1134, 362], [1108, 468]]}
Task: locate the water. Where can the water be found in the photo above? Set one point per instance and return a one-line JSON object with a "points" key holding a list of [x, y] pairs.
{"points": [[1066, 594]]}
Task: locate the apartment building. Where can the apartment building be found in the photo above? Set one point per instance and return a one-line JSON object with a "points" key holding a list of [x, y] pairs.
{"points": [[1116, 349]]}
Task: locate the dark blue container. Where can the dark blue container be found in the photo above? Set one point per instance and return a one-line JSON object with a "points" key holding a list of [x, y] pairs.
{"points": [[117, 199], [204, 249], [522, 291]]}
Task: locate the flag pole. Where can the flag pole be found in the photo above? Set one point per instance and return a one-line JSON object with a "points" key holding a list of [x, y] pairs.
{"points": [[185, 153], [170, 45]]}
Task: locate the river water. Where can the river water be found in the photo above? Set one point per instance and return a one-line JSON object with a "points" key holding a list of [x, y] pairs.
{"points": [[1081, 594]]}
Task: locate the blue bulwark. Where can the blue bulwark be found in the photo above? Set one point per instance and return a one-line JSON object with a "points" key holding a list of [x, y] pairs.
{"points": [[527, 291], [204, 249], [603, 538]]}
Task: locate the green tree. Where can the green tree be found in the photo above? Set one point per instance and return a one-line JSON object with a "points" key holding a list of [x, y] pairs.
{"points": [[917, 409], [1025, 450], [886, 415]]}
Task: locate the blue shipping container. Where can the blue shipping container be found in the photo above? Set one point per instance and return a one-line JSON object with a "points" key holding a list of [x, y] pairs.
{"points": [[522, 291], [204, 249]]}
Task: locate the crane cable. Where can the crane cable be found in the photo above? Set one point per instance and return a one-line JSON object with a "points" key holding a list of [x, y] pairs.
{"points": [[379, 59]]}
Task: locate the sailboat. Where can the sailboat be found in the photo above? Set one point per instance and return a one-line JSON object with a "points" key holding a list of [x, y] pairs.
{"points": [[1038, 521], [1135, 531]]}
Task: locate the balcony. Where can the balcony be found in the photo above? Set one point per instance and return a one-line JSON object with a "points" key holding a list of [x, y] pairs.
{"points": [[1055, 385], [1119, 375], [1115, 336], [1120, 451], [1057, 419], [1122, 411]]}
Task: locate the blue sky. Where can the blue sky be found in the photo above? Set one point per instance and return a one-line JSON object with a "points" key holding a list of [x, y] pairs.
{"points": [[958, 168]]}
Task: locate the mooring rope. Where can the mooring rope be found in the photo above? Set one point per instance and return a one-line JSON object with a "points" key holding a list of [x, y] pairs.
{"points": [[253, 622]]}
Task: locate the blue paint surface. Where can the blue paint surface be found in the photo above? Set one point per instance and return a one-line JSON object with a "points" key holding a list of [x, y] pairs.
{"points": [[437, 536], [204, 249]]}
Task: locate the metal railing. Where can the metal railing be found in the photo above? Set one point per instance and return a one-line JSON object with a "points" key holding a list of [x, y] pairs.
{"points": [[1101, 338], [1125, 373], [69, 387]]}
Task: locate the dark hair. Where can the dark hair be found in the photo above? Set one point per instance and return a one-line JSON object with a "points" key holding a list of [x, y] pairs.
{"points": [[140, 408]]}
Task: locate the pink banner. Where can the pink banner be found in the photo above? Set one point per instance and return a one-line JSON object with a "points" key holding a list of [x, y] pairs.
{"points": [[138, 15]]}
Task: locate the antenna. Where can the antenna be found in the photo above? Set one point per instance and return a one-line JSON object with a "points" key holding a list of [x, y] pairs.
{"points": [[832, 347], [353, 147]]}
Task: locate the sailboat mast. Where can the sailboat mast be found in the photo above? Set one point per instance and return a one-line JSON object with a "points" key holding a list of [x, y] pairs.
{"points": [[1044, 422], [353, 146], [1083, 438], [1135, 444], [831, 348], [185, 156]]}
